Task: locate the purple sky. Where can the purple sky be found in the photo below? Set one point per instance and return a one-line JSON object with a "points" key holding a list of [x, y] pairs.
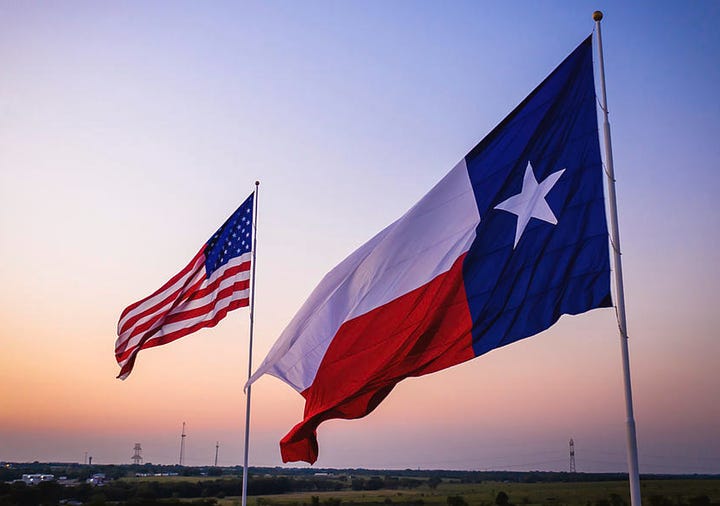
{"points": [[129, 131]]}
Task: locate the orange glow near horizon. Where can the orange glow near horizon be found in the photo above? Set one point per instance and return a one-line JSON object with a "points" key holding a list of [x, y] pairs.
{"points": [[129, 131]]}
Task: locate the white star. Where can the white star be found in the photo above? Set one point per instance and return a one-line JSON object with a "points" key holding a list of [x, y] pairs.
{"points": [[530, 202]]}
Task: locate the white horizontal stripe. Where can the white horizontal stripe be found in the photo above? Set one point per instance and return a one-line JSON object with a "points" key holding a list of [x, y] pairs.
{"points": [[170, 328], [409, 253], [198, 266], [199, 275], [221, 303], [233, 262], [188, 305]]}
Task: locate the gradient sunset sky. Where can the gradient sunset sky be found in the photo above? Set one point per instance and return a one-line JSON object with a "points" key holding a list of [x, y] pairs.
{"points": [[129, 131]]}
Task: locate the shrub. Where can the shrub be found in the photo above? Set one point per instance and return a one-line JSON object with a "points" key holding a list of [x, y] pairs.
{"points": [[502, 499], [456, 500]]}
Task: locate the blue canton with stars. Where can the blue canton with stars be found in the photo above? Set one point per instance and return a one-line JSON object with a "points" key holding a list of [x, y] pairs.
{"points": [[231, 240]]}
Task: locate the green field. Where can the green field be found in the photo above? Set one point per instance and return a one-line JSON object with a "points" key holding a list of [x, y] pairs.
{"points": [[655, 493], [349, 487]]}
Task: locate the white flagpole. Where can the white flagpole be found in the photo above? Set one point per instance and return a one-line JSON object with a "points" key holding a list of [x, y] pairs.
{"points": [[632, 453], [252, 321]]}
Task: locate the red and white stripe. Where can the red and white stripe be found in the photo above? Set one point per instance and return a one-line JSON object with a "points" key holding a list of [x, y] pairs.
{"points": [[188, 302]]}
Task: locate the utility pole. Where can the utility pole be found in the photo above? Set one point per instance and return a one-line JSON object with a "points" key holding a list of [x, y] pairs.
{"points": [[182, 445]]}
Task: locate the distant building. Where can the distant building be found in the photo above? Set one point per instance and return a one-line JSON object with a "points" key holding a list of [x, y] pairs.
{"points": [[34, 479], [96, 480]]}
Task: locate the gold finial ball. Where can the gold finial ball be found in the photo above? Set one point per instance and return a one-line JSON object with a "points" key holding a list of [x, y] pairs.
{"points": [[597, 15]]}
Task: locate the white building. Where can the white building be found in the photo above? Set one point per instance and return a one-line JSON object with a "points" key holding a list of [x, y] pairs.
{"points": [[34, 479]]}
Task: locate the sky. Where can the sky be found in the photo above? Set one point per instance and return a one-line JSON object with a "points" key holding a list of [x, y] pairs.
{"points": [[129, 131]]}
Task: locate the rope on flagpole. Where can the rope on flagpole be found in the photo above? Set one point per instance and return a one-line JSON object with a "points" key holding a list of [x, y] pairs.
{"points": [[632, 452]]}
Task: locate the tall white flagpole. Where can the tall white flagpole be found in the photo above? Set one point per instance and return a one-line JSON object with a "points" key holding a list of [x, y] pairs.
{"points": [[252, 321], [632, 453]]}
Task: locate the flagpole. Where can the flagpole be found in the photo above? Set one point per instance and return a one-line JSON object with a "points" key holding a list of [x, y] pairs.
{"points": [[252, 321], [632, 452]]}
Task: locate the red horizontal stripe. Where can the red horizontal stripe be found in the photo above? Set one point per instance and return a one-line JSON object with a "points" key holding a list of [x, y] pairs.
{"points": [[126, 332], [212, 286], [423, 331], [158, 319], [175, 313], [167, 285], [151, 343], [198, 311], [167, 338], [162, 303], [194, 293]]}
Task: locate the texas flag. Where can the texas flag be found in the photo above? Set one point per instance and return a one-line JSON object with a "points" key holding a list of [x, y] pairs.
{"points": [[513, 237]]}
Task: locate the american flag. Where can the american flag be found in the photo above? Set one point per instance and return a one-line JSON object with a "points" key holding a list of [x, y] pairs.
{"points": [[216, 280]]}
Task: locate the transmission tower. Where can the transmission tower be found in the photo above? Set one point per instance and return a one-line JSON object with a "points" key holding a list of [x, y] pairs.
{"points": [[572, 456], [182, 445], [217, 447], [137, 458]]}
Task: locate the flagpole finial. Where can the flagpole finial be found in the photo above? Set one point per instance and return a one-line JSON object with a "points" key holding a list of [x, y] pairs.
{"points": [[257, 183], [597, 15]]}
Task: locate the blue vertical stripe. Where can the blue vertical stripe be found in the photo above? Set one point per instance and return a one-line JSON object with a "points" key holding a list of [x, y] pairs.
{"points": [[517, 291]]}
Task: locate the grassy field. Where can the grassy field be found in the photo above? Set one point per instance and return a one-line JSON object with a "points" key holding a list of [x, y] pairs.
{"points": [[173, 479], [655, 493]]}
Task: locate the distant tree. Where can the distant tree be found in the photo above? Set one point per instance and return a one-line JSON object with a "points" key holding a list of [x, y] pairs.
{"points": [[659, 500], [49, 491], [700, 500], [391, 482], [502, 499], [616, 500], [374, 483], [98, 499], [434, 481], [456, 500], [410, 483], [171, 502]]}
